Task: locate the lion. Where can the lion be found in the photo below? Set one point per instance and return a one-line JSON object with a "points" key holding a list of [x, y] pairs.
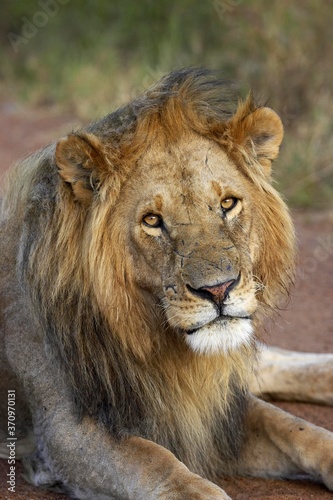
{"points": [[139, 256]]}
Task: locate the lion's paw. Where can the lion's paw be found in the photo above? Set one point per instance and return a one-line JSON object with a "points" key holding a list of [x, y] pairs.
{"points": [[328, 476], [195, 488]]}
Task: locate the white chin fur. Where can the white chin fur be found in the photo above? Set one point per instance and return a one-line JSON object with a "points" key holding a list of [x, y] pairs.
{"points": [[221, 336]]}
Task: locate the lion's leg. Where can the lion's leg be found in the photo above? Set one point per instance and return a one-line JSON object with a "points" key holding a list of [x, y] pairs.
{"points": [[82, 457], [294, 376], [89, 463], [279, 444]]}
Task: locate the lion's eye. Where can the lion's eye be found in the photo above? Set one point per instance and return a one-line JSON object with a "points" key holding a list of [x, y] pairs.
{"points": [[152, 220], [228, 203]]}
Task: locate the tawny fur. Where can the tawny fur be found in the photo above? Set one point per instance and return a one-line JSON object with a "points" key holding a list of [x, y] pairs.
{"points": [[125, 365]]}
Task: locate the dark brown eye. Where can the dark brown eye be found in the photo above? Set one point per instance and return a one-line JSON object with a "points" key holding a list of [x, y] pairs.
{"points": [[152, 220], [228, 203]]}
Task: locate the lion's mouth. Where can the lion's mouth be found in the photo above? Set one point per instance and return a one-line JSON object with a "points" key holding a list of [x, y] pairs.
{"points": [[221, 319]]}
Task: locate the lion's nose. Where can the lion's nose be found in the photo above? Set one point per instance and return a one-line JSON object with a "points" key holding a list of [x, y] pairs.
{"points": [[216, 293], [219, 292]]}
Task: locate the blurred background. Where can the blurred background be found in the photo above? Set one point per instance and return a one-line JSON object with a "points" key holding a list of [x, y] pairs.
{"points": [[67, 62], [87, 58]]}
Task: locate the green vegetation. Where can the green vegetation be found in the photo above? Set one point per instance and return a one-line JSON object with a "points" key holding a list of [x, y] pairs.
{"points": [[91, 56]]}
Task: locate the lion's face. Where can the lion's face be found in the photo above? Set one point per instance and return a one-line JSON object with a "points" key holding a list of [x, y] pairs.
{"points": [[191, 241], [182, 228]]}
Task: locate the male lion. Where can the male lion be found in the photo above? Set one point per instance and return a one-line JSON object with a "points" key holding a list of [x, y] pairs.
{"points": [[138, 257]]}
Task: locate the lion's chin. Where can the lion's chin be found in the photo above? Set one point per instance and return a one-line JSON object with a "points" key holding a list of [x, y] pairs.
{"points": [[221, 336]]}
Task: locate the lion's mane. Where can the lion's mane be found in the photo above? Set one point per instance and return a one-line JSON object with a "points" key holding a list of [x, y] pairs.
{"points": [[139, 377]]}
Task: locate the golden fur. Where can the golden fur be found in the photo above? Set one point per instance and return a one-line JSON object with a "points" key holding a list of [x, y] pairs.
{"points": [[93, 280]]}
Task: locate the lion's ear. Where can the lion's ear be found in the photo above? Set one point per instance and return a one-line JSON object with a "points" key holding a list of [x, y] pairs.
{"points": [[259, 132], [81, 161]]}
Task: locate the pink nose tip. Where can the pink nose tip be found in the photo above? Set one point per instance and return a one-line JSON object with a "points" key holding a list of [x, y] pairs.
{"points": [[219, 291]]}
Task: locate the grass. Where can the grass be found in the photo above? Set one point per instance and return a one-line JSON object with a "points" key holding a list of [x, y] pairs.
{"points": [[92, 56]]}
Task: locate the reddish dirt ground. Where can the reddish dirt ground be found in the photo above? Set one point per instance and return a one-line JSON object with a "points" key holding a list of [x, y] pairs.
{"points": [[306, 325]]}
